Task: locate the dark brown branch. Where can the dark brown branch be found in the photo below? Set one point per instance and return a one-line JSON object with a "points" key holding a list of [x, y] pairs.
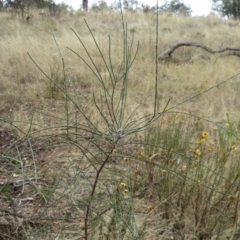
{"points": [[89, 205], [167, 55], [237, 54]]}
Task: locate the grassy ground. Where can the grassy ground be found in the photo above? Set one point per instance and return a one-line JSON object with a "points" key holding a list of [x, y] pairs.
{"points": [[74, 167]]}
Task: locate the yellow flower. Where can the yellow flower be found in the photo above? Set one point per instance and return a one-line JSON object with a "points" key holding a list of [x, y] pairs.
{"points": [[140, 153], [114, 152], [198, 152], [150, 207], [199, 182], [184, 168], [215, 128], [194, 164], [170, 161], [122, 186], [125, 191], [205, 134], [233, 147], [200, 140]]}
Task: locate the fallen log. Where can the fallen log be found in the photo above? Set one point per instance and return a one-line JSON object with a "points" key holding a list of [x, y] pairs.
{"points": [[166, 56]]}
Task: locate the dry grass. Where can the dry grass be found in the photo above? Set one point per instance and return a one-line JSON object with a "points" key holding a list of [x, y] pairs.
{"points": [[23, 84], [175, 188]]}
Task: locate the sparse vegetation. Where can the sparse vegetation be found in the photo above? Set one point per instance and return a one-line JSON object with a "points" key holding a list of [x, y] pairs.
{"points": [[176, 6], [94, 145], [227, 8]]}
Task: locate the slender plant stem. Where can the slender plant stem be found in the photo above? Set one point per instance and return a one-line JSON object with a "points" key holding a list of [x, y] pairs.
{"points": [[94, 188]]}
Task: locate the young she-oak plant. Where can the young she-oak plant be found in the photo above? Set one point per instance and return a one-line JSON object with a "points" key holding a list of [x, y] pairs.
{"points": [[99, 138]]}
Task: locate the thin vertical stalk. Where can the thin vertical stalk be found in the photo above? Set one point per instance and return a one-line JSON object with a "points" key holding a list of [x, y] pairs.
{"points": [[156, 62], [64, 84], [124, 83], [94, 188]]}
